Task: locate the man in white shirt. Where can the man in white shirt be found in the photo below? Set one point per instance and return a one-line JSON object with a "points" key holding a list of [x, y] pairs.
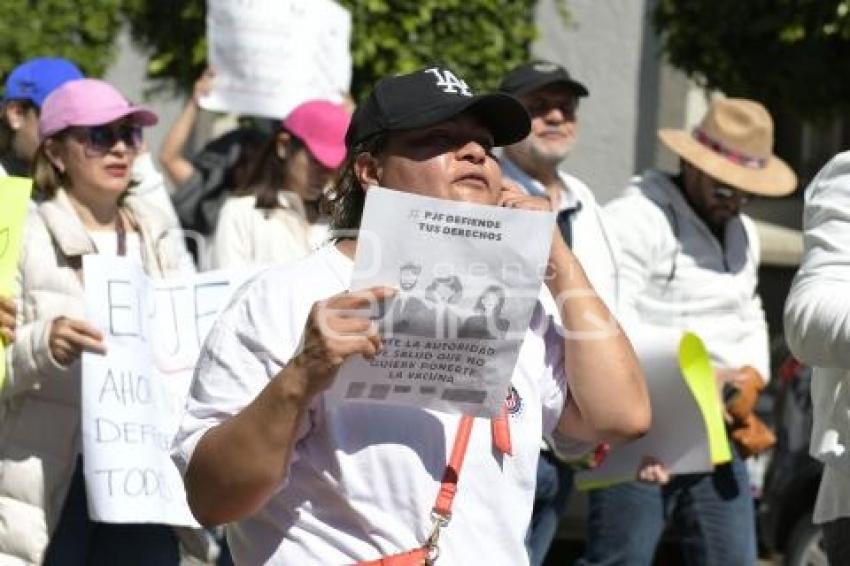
{"points": [[551, 97], [303, 482]]}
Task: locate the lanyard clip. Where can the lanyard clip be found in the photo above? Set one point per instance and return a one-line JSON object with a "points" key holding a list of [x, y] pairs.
{"points": [[438, 522]]}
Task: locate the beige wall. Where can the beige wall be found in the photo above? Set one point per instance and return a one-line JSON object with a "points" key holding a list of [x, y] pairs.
{"points": [[611, 47]]}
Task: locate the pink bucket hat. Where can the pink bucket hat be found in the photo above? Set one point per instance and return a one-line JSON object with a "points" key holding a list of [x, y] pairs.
{"points": [[321, 125], [87, 102]]}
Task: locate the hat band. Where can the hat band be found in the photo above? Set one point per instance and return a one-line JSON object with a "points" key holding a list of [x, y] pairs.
{"points": [[734, 156]]}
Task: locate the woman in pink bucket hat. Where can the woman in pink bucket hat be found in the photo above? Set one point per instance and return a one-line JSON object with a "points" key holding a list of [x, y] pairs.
{"points": [[275, 216], [89, 137]]}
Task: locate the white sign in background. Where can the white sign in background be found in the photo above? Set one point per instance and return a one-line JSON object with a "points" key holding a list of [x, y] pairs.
{"points": [[133, 397], [469, 276], [678, 436], [271, 55]]}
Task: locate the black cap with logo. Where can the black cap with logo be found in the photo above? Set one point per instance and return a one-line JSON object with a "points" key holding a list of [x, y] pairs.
{"points": [[430, 96], [536, 74]]}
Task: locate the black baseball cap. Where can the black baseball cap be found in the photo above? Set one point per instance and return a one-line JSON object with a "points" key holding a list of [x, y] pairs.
{"points": [[539, 73], [432, 95]]}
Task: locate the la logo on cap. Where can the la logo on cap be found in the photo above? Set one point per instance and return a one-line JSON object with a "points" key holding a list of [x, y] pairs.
{"points": [[448, 82], [545, 67]]}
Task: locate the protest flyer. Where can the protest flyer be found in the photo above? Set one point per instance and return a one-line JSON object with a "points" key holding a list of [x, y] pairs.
{"points": [[14, 203], [271, 55], [133, 397], [687, 433], [468, 278]]}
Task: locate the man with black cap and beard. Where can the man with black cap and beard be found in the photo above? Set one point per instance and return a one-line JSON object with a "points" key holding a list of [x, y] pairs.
{"points": [[551, 97], [304, 482], [689, 262]]}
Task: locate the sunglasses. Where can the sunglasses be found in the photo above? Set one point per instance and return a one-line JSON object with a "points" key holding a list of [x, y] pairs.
{"points": [[99, 140], [722, 192], [540, 106]]}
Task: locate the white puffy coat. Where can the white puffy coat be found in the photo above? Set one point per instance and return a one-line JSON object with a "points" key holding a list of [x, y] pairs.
{"points": [[674, 273], [40, 399], [817, 327]]}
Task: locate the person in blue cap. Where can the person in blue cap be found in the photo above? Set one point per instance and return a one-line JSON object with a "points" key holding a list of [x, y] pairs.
{"points": [[26, 88], [24, 92]]}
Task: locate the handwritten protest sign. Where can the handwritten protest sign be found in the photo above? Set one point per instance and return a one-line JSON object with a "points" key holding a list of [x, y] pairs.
{"points": [[683, 434], [132, 398], [469, 277], [271, 55], [14, 201]]}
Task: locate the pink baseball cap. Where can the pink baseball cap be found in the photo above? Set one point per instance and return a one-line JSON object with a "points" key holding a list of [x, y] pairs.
{"points": [[321, 125], [87, 102]]}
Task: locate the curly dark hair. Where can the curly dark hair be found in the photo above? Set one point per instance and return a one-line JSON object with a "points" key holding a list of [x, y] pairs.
{"points": [[344, 202]]}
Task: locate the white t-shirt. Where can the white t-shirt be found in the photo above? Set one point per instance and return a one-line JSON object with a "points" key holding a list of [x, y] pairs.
{"points": [[246, 236], [364, 477]]}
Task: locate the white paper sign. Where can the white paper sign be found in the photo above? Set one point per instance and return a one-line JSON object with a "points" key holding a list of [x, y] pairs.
{"points": [[271, 55], [133, 397], [678, 436], [469, 277]]}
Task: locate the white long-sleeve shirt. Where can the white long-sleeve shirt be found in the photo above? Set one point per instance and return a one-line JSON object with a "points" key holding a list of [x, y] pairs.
{"points": [[817, 327], [674, 273]]}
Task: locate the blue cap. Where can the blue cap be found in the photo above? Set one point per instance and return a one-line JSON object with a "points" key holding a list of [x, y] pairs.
{"points": [[36, 78]]}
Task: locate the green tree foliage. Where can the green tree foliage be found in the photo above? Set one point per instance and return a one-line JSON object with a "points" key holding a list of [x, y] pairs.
{"points": [[480, 38], [790, 54], [80, 30], [175, 34]]}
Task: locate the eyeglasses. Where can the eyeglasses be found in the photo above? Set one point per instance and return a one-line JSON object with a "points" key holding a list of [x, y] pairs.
{"points": [[99, 140], [723, 192]]}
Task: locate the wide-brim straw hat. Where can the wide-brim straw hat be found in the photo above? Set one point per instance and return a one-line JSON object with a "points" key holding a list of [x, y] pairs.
{"points": [[734, 144]]}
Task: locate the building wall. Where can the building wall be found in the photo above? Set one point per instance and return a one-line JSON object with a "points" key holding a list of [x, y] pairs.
{"points": [[611, 47], [127, 73]]}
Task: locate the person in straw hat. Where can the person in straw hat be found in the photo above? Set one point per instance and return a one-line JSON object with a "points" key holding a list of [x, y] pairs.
{"points": [[689, 261]]}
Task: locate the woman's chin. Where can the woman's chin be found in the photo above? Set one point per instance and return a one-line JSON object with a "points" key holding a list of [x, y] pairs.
{"points": [[114, 185]]}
